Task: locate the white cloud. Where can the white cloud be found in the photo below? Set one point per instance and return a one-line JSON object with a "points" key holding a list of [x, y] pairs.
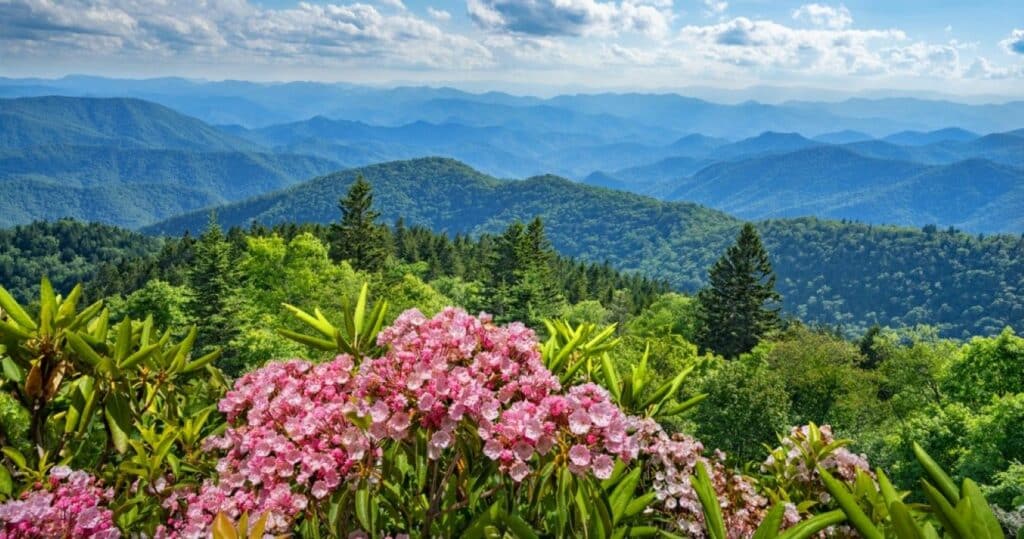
{"points": [[572, 17], [835, 18], [1014, 43], [438, 14], [981, 68], [307, 33], [715, 7]]}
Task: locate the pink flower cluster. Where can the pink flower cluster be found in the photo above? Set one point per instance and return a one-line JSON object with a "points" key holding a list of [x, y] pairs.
{"points": [[290, 439], [69, 504], [793, 466], [298, 431], [585, 424], [673, 460]]}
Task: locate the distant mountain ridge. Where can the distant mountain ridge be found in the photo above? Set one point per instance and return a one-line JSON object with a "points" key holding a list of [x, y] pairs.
{"points": [[829, 273]]}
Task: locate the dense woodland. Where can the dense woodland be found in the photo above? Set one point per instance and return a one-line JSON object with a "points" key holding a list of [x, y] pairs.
{"points": [[745, 374]]}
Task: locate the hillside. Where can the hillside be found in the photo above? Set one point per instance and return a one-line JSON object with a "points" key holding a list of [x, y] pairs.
{"points": [[133, 187], [835, 182], [129, 123], [829, 272]]}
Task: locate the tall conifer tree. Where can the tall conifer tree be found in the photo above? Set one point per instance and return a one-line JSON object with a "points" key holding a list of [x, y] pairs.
{"points": [[358, 237], [740, 305], [212, 279]]}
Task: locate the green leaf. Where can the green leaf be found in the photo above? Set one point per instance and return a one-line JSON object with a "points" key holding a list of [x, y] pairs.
{"points": [[623, 493], [84, 350], [363, 507], [14, 310], [903, 523], [849, 506], [713, 520], [124, 340], [612, 382], [769, 527], [201, 362], [813, 525], [15, 457], [312, 342], [118, 421], [13, 331], [138, 356], [938, 477], [984, 521], [11, 370], [6, 482]]}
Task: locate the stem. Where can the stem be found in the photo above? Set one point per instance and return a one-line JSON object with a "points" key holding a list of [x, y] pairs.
{"points": [[437, 491]]}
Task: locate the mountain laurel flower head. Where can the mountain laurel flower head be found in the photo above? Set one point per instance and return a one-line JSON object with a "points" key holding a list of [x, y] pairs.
{"points": [[290, 441], [672, 461], [70, 504]]}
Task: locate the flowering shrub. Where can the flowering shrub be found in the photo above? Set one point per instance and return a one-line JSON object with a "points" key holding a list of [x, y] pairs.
{"points": [[673, 460], [299, 431], [791, 471], [69, 504]]}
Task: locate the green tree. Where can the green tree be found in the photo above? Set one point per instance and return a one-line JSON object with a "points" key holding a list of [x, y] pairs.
{"points": [[746, 407], [358, 237], [740, 304], [523, 284], [212, 304]]}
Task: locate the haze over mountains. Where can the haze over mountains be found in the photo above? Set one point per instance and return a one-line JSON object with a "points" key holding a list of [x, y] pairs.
{"points": [[192, 145], [671, 178]]}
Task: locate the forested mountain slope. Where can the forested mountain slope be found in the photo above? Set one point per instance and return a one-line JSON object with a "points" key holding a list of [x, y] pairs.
{"points": [[829, 272]]}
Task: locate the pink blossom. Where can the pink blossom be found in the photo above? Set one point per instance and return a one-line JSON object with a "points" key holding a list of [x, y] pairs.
{"points": [[70, 504]]}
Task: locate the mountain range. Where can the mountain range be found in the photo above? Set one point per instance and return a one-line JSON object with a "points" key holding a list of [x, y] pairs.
{"points": [[833, 273]]}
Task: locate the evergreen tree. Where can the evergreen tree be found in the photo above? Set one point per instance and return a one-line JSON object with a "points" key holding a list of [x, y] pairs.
{"points": [[212, 304], [872, 355], [357, 237], [740, 304], [523, 282]]}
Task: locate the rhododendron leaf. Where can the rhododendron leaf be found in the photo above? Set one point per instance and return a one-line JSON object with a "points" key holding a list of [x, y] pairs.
{"points": [[15, 311], [713, 521], [937, 476], [362, 501], [903, 523], [6, 482], [99, 328], [359, 314], [637, 505], [258, 527], [849, 506], [320, 325], [84, 351], [87, 387], [11, 369], [312, 342], [118, 421], [86, 316], [13, 332], [518, 526], [124, 340], [885, 487], [623, 494], [667, 390], [680, 407], [769, 527], [953, 524], [612, 382], [47, 307], [66, 310], [810, 527], [983, 519], [138, 356], [222, 527], [197, 364], [15, 456], [147, 331]]}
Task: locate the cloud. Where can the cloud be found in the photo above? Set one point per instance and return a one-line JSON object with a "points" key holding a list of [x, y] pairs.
{"points": [[235, 30], [715, 7], [1014, 43], [835, 18], [981, 68], [438, 14], [572, 17]]}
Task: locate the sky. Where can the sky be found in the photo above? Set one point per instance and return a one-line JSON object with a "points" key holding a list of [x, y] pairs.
{"points": [[957, 47]]}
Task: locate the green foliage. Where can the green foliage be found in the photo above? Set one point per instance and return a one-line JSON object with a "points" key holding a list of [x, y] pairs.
{"points": [[987, 367], [121, 399], [358, 238], [669, 314], [212, 281], [738, 307], [824, 379], [746, 406]]}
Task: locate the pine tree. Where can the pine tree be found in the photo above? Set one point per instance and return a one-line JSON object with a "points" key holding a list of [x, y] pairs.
{"points": [[740, 305], [357, 237], [212, 279], [523, 283]]}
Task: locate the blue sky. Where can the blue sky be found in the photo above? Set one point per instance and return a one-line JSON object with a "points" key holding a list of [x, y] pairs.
{"points": [[956, 47]]}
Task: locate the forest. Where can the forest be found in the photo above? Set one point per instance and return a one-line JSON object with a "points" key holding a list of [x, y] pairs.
{"points": [[155, 397]]}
